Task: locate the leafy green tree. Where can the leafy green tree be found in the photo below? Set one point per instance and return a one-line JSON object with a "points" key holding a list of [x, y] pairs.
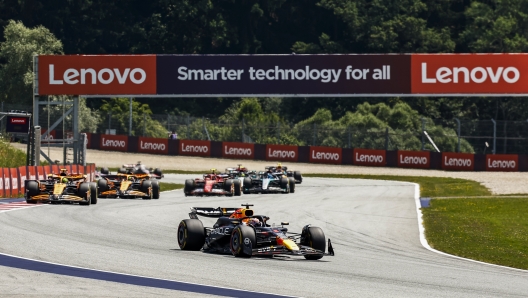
{"points": [[20, 45]]}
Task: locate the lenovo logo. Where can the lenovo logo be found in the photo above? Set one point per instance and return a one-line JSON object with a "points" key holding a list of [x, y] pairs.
{"points": [[325, 156], [113, 143], [18, 120], [104, 76], [413, 160], [502, 164], [368, 158], [152, 146], [237, 151], [479, 75], [457, 162], [194, 149], [281, 153]]}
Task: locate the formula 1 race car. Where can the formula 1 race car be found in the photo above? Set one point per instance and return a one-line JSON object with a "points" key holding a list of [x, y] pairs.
{"points": [[282, 169], [244, 234], [61, 188], [268, 182], [128, 186], [239, 172], [213, 184], [137, 168]]}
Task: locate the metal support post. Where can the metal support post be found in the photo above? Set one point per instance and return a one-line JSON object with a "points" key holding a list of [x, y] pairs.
{"points": [[36, 152], [494, 136], [76, 144]]}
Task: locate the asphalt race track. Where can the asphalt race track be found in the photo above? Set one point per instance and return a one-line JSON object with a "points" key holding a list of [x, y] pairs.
{"points": [[373, 226]]}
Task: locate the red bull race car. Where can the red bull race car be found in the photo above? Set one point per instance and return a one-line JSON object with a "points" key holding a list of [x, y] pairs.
{"points": [[238, 231], [213, 184]]}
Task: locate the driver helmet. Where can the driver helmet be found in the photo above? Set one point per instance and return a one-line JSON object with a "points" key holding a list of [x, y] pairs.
{"points": [[130, 178], [254, 222], [64, 180], [63, 172], [279, 166], [213, 171]]}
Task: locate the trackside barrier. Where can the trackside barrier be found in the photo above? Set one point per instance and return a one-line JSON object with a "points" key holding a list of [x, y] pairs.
{"points": [[13, 180], [448, 161]]}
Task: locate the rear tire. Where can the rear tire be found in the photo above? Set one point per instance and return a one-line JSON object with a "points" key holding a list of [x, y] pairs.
{"points": [[155, 189], [292, 184], [313, 237], [297, 176], [189, 186], [284, 184], [248, 183], [32, 189], [238, 237], [228, 186], [238, 187], [102, 185], [121, 171], [93, 193], [84, 190], [105, 171], [191, 234], [157, 172]]}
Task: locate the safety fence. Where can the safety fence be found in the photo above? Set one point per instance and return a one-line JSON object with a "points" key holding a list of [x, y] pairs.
{"points": [[12, 180], [313, 154]]}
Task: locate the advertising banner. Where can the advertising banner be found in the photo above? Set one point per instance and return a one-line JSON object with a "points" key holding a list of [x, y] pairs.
{"points": [[41, 173], [326, 155], [15, 188], [414, 159], [367, 157], [153, 145], [3, 193], [7, 182], [195, 148], [502, 162], [238, 150], [469, 73], [22, 174], [32, 173], [282, 152], [97, 74], [458, 161], [55, 169], [114, 143], [300, 75]]}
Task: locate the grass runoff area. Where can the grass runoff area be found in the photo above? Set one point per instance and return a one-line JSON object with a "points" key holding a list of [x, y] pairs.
{"points": [[465, 220]]}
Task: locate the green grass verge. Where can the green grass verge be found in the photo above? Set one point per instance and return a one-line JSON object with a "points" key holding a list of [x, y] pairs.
{"points": [[166, 186], [429, 186], [492, 230]]}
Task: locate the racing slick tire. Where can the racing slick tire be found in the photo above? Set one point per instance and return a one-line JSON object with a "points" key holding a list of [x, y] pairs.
{"points": [[313, 237], [32, 189], [93, 193], [84, 189], [144, 187], [121, 171], [189, 186], [228, 186], [239, 236], [105, 171], [238, 187], [248, 183], [155, 189], [297, 176], [158, 173], [191, 234], [292, 184], [284, 184]]}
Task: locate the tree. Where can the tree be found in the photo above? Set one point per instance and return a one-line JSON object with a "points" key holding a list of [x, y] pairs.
{"points": [[20, 45]]}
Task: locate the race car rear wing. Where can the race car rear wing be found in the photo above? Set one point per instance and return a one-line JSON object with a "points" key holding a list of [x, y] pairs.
{"points": [[211, 212]]}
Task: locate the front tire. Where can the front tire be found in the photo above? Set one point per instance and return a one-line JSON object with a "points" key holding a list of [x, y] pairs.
{"points": [[105, 171], [313, 237], [240, 235], [84, 191], [158, 173], [228, 186], [93, 193], [297, 176], [191, 234], [155, 189], [238, 187], [292, 184], [146, 188], [189, 186]]}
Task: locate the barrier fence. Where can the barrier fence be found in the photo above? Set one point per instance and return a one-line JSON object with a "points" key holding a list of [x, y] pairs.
{"points": [[12, 180], [313, 154]]}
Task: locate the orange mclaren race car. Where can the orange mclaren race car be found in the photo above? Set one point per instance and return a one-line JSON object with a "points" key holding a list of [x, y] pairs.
{"points": [[61, 188], [128, 186], [240, 232], [213, 184]]}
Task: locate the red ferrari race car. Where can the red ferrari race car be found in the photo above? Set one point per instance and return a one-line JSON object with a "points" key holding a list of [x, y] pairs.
{"points": [[213, 184]]}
